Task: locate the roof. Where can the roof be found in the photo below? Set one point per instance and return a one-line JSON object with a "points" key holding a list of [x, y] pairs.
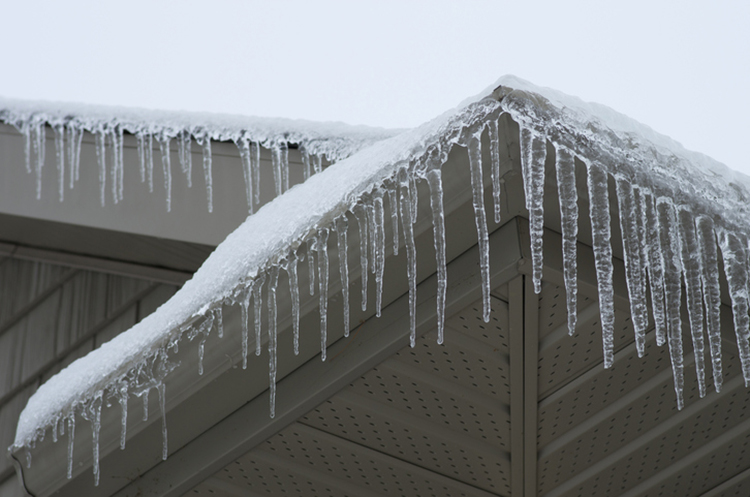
{"points": [[674, 225]]}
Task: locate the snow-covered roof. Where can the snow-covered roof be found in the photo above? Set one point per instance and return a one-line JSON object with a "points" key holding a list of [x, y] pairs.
{"points": [[331, 141], [678, 211]]}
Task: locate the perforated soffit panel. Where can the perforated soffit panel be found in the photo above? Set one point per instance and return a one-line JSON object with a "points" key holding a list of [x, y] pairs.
{"points": [[436, 420]]}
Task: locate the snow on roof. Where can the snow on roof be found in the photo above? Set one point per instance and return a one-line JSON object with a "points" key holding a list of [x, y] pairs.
{"points": [[677, 211], [332, 141]]}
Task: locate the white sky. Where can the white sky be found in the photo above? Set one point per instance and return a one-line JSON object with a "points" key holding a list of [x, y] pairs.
{"points": [[681, 67]]}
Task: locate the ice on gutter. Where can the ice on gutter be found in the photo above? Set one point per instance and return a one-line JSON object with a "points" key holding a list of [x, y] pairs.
{"points": [[674, 220], [156, 130]]}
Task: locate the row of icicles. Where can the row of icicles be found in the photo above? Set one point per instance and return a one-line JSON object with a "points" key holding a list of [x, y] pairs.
{"points": [[109, 154], [663, 245]]}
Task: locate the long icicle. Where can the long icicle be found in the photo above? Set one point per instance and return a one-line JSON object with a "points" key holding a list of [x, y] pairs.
{"points": [[480, 218], [166, 164], [601, 234], [435, 183], [59, 130], [291, 271], [40, 141], [495, 164], [255, 168], [243, 146], [393, 204], [670, 250], [122, 398], [632, 251], [186, 155], [100, 138], [162, 391], [711, 293], [71, 440], [208, 172], [95, 413], [245, 308], [258, 305], [322, 246], [692, 274], [568, 194], [114, 170], [379, 248], [736, 271], [342, 225], [411, 253], [655, 268], [150, 161], [276, 166], [311, 264], [273, 280], [360, 213], [535, 169]]}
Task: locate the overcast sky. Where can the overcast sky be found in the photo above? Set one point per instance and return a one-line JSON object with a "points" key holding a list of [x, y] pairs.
{"points": [[681, 67]]}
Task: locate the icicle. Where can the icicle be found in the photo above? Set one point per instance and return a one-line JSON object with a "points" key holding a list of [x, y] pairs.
{"points": [[413, 198], [311, 264], [379, 242], [54, 429], [305, 162], [122, 398], [26, 131], [633, 273], [360, 212], [208, 172], [411, 254], [341, 227], [219, 318], [276, 166], [601, 234], [322, 245], [243, 146], [60, 158], [140, 142], [257, 304], [480, 218], [735, 269], [525, 138], [184, 147], [150, 162], [164, 148], [370, 209], [94, 414], [40, 138], [393, 204], [255, 166], [244, 306], [114, 173], [655, 268], [203, 330], [145, 404], [117, 163], [670, 254], [100, 137], [28, 458], [568, 194], [273, 280], [161, 389], [291, 271], [711, 293], [692, 273], [495, 159], [435, 182], [71, 439], [535, 177], [75, 136], [317, 161], [642, 244]]}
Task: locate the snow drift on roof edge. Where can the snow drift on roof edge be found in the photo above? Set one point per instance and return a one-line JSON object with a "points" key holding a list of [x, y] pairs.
{"points": [[658, 230]]}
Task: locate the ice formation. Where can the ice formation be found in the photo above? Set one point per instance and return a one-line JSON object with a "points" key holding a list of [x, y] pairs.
{"points": [[677, 217], [68, 122]]}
